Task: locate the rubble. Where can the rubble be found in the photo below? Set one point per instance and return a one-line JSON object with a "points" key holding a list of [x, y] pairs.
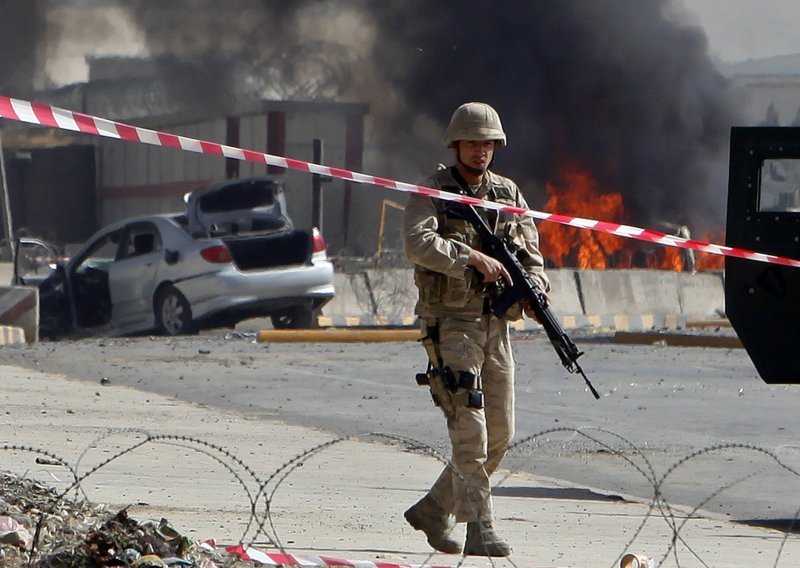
{"points": [[40, 530]]}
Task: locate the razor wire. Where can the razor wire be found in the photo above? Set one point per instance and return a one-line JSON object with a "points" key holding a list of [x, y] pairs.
{"points": [[258, 487]]}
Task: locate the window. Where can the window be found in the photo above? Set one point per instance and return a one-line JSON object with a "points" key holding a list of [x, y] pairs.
{"points": [[780, 185], [101, 254], [237, 197], [141, 239]]}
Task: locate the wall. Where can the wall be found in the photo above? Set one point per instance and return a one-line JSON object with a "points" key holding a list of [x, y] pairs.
{"points": [[620, 299], [138, 179]]}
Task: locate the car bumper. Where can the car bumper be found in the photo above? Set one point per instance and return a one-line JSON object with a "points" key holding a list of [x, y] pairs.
{"points": [[258, 293]]}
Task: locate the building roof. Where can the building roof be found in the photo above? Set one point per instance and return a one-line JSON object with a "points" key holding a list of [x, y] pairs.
{"points": [[786, 65]]}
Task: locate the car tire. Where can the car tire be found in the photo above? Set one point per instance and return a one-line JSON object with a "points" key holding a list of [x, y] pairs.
{"points": [[295, 317], [173, 312]]}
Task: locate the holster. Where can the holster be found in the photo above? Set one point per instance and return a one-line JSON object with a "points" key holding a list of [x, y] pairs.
{"points": [[447, 388]]}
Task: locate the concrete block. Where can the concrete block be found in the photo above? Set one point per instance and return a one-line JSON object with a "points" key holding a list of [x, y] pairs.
{"points": [[628, 291], [6, 273], [594, 321], [19, 307], [564, 296], [570, 322], [11, 335], [345, 302], [622, 322], [622, 299], [701, 294], [380, 295], [393, 291]]}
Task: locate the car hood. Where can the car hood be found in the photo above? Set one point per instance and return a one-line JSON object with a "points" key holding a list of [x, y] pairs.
{"points": [[238, 205]]}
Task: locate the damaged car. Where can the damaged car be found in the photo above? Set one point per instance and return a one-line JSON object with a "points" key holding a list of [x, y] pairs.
{"points": [[233, 254]]}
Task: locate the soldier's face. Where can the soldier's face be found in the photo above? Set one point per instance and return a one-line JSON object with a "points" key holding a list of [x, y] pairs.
{"points": [[476, 154]]}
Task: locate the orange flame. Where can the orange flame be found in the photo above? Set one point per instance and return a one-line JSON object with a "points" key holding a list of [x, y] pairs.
{"points": [[707, 261], [576, 193]]}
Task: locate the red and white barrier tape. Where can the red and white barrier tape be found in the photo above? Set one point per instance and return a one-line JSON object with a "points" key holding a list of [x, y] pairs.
{"points": [[46, 115], [281, 559]]}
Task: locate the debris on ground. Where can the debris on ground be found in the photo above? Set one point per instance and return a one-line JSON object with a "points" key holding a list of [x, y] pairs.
{"points": [[38, 529]]}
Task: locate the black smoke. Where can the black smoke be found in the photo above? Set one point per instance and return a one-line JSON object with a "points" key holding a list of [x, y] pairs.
{"points": [[623, 88], [20, 28], [616, 86]]}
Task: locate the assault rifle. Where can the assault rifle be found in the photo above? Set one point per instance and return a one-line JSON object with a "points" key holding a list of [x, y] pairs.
{"points": [[522, 287]]}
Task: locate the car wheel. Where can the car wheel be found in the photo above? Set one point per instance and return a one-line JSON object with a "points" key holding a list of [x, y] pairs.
{"points": [[173, 313], [295, 317]]}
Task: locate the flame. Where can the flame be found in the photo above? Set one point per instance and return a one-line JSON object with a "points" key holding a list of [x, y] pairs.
{"points": [[576, 193], [707, 261]]}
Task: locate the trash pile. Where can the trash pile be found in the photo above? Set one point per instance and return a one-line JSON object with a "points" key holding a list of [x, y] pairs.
{"points": [[64, 533]]}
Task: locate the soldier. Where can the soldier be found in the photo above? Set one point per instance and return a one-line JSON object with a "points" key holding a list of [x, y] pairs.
{"points": [[471, 371]]}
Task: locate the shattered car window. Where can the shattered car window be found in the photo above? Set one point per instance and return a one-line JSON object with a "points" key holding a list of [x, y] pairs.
{"points": [[237, 197], [141, 239], [102, 253]]}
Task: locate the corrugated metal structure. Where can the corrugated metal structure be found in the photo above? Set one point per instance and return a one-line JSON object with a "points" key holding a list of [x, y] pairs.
{"points": [[139, 179], [133, 179]]}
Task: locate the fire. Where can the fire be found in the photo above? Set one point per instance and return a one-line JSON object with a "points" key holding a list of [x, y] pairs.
{"points": [[708, 261], [577, 194]]}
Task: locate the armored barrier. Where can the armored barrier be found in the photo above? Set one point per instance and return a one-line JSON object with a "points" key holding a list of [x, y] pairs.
{"points": [[764, 216], [618, 299]]}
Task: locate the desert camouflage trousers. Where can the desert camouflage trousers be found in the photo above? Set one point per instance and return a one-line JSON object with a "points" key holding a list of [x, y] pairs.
{"points": [[479, 436]]}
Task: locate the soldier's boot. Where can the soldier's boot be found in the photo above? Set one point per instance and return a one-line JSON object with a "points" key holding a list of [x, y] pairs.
{"points": [[427, 516], [483, 541]]}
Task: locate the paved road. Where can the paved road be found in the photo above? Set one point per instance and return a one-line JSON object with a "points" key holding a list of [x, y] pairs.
{"points": [[659, 405]]}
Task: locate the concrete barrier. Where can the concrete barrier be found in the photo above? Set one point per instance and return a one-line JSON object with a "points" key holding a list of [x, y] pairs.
{"points": [[6, 273], [565, 299], [336, 335], [701, 294], [629, 291], [625, 300], [19, 307], [372, 297], [11, 335]]}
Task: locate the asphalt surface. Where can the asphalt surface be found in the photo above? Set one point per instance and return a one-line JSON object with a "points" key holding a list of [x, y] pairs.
{"points": [[294, 495], [695, 423]]}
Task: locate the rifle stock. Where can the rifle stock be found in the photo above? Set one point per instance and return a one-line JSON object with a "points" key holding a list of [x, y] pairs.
{"points": [[522, 288]]}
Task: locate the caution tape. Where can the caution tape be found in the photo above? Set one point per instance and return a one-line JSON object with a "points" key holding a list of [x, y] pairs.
{"points": [[282, 559], [46, 115]]}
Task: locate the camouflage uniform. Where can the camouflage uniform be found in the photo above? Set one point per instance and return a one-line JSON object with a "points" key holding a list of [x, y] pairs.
{"points": [[452, 298]]}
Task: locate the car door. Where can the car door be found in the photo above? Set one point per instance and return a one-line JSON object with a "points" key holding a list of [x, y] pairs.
{"points": [[87, 281], [39, 264], [132, 276]]}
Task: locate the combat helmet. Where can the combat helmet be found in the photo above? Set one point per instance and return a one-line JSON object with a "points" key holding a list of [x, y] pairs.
{"points": [[475, 121]]}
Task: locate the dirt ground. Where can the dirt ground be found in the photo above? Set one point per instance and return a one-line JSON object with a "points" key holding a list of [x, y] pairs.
{"points": [[699, 417]]}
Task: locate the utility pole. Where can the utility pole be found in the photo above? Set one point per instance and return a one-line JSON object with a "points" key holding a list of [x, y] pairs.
{"points": [[316, 189], [6, 204]]}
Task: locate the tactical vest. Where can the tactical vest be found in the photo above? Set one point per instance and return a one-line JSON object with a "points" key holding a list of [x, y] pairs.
{"points": [[440, 295]]}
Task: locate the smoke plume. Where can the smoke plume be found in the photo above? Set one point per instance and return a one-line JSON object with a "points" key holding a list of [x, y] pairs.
{"points": [[622, 88]]}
